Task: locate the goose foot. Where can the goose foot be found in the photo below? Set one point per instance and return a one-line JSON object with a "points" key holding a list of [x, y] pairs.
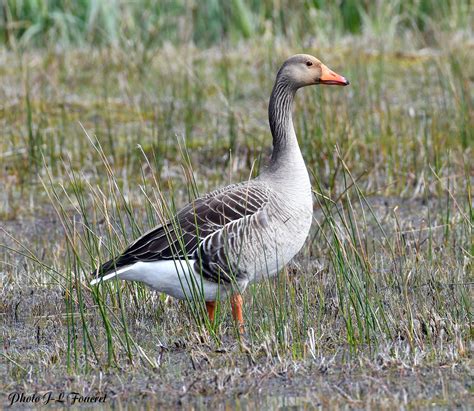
{"points": [[211, 310], [236, 302]]}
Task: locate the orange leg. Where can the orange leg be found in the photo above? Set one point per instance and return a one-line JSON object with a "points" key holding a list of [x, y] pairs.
{"points": [[211, 309], [236, 302]]}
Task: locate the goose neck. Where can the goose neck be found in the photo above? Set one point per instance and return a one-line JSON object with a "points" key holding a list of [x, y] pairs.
{"points": [[281, 124]]}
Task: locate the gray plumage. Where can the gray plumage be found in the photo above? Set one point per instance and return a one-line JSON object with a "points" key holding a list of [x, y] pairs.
{"points": [[243, 232]]}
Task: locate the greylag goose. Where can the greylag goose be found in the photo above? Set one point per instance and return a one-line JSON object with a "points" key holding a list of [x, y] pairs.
{"points": [[214, 246]]}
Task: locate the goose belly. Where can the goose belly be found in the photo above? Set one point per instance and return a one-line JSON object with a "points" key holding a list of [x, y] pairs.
{"points": [[174, 277], [271, 249]]}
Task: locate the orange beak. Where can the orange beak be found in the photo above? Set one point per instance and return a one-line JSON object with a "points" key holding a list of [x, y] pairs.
{"points": [[330, 78]]}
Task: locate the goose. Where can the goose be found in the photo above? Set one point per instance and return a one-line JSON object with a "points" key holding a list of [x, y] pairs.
{"points": [[216, 245]]}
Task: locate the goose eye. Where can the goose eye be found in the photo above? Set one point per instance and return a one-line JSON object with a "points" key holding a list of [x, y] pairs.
{"points": [[309, 63]]}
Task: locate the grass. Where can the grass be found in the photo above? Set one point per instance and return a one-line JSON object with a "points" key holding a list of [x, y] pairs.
{"points": [[100, 144], [28, 23]]}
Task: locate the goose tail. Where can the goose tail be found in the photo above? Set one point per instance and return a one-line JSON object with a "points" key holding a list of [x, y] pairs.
{"points": [[106, 274]]}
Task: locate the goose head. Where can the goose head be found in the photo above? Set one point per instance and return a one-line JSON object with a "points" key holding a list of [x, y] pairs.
{"points": [[303, 70]]}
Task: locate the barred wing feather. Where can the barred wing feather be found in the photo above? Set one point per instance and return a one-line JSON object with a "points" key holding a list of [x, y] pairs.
{"points": [[200, 230]]}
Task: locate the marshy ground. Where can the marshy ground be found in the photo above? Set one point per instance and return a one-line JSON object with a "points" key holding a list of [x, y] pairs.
{"points": [[97, 145]]}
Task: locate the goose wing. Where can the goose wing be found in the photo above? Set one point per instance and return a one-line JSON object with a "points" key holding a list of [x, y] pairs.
{"points": [[185, 235]]}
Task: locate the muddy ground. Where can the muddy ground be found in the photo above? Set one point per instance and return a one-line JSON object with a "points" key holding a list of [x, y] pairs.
{"points": [[195, 373]]}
